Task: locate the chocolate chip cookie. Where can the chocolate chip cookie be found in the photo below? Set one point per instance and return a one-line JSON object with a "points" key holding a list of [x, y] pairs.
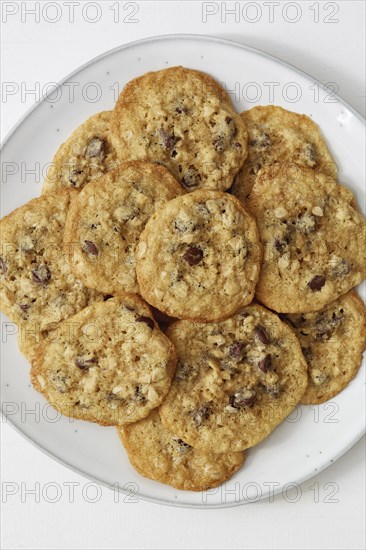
{"points": [[185, 120], [37, 288], [314, 240], [235, 380], [86, 155], [106, 219], [276, 135], [108, 364], [157, 454], [198, 257], [332, 342]]}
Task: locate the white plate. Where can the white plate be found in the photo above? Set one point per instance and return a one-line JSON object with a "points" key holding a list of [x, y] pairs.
{"points": [[312, 437]]}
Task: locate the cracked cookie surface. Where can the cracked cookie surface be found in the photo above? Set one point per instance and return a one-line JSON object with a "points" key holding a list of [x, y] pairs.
{"points": [[157, 454], [37, 288], [185, 120], [332, 341], [276, 135], [198, 257], [314, 241], [106, 219], [86, 155], [235, 380], [108, 364]]}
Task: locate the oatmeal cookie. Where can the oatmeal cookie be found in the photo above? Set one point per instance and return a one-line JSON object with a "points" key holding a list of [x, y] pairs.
{"points": [[108, 364], [157, 454], [185, 120], [313, 238], [276, 135], [235, 380], [105, 222], [86, 155], [37, 288], [198, 257], [332, 342]]}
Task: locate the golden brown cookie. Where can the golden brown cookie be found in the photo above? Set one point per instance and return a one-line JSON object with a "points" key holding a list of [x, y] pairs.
{"points": [[157, 454], [332, 342], [313, 238], [276, 135], [185, 120], [106, 219], [235, 380], [198, 256], [37, 288], [86, 155], [108, 364]]}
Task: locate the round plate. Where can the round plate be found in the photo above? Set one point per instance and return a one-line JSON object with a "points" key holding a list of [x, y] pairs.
{"points": [[312, 437]]}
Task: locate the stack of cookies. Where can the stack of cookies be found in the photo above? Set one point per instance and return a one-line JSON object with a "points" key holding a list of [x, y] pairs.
{"points": [[187, 275]]}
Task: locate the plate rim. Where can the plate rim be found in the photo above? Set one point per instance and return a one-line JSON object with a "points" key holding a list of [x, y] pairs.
{"points": [[156, 38], [172, 36]]}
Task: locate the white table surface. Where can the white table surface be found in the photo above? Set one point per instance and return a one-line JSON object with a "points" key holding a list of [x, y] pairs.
{"points": [[34, 53]]}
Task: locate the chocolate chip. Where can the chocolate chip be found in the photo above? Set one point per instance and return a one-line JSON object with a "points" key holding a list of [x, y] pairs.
{"points": [[245, 398], [24, 307], [232, 126], [95, 148], [281, 244], [316, 283], [193, 255], [83, 363], [90, 248], [181, 110], [325, 326], [200, 415], [183, 446], [139, 395], [41, 275], [219, 144], [262, 335], [323, 329], [244, 314], [191, 178], [265, 364], [149, 322], [73, 178], [236, 350], [237, 145], [168, 140], [3, 266]]}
